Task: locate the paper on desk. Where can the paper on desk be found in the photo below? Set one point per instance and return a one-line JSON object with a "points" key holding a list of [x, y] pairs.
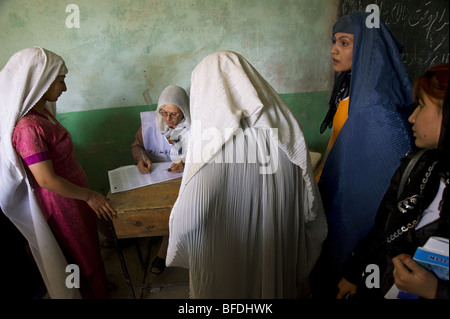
{"points": [[128, 177]]}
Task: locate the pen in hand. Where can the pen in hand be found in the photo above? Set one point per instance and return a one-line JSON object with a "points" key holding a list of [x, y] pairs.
{"points": [[144, 160]]}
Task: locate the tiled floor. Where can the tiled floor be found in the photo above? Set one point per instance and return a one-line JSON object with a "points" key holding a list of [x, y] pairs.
{"points": [[173, 283]]}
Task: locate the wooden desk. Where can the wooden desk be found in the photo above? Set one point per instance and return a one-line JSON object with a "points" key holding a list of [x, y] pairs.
{"points": [[145, 211], [142, 212]]}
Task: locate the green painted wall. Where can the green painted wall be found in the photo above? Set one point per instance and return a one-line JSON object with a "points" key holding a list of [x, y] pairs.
{"points": [[102, 138]]}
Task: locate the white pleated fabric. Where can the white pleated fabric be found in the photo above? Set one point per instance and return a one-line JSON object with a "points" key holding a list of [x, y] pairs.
{"points": [[23, 81], [244, 228]]}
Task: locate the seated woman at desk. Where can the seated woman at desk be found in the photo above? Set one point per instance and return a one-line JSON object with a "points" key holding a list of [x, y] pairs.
{"points": [[164, 132], [163, 137]]}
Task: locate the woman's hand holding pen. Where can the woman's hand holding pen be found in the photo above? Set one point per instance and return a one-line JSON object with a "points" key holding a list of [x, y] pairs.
{"points": [[144, 167]]}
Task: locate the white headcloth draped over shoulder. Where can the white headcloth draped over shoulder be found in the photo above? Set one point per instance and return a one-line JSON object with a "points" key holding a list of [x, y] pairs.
{"points": [[175, 95], [242, 229], [217, 102], [23, 81]]}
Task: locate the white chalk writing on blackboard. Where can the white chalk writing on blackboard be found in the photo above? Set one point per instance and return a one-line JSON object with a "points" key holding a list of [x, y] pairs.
{"points": [[421, 26]]}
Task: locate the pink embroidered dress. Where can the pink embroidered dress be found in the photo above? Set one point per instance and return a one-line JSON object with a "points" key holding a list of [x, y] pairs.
{"points": [[39, 138]]}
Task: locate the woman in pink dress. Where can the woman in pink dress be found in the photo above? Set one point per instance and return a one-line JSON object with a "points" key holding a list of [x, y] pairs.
{"points": [[59, 182]]}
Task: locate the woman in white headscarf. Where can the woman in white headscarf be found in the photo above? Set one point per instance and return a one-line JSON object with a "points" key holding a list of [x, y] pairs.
{"points": [[248, 221], [163, 137], [164, 133], [43, 189]]}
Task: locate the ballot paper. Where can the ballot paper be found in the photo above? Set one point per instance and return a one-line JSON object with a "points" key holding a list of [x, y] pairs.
{"points": [[129, 177]]}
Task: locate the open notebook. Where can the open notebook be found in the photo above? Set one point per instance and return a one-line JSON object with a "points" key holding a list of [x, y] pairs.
{"points": [[129, 177]]}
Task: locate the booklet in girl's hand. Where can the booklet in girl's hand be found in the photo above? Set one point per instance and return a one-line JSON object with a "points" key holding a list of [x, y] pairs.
{"points": [[434, 256]]}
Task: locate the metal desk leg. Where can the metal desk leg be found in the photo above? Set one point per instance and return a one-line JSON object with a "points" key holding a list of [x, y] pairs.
{"points": [[144, 263], [122, 260]]}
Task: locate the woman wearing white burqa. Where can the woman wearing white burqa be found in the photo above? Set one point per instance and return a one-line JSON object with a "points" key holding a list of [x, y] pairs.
{"points": [[248, 221]]}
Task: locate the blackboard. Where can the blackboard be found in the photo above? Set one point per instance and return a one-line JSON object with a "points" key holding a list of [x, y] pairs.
{"points": [[421, 26]]}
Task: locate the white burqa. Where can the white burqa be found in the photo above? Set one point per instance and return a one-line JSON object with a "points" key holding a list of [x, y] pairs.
{"points": [[23, 81], [245, 228]]}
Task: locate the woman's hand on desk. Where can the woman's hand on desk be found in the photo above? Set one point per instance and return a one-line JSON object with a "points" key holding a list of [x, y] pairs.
{"points": [[100, 206], [144, 167], [176, 167]]}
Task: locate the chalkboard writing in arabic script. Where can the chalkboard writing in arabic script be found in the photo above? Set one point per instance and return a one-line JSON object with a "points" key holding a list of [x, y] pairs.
{"points": [[421, 26]]}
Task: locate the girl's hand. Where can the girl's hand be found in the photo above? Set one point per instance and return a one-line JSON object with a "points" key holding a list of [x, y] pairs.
{"points": [[413, 278], [346, 288]]}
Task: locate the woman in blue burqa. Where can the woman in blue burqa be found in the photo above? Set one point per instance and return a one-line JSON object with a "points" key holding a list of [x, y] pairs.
{"points": [[369, 108]]}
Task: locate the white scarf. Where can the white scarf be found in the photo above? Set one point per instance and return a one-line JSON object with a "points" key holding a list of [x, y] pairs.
{"points": [[225, 88], [23, 81], [179, 136]]}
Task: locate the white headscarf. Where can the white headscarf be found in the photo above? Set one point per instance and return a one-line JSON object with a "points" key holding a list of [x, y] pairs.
{"points": [[225, 88], [23, 81], [175, 95]]}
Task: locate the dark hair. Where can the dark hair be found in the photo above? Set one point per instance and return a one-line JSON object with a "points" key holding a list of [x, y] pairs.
{"points": [[444, 138], [433, 83]]}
